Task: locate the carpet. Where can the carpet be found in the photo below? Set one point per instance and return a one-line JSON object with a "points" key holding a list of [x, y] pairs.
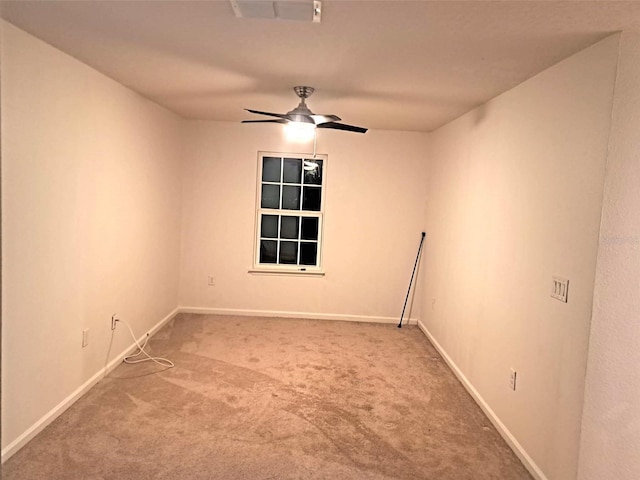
{"points": [[267, 398]]}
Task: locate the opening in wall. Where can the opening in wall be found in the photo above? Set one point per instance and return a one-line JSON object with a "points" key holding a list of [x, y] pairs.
{"points": [[289, 212]]}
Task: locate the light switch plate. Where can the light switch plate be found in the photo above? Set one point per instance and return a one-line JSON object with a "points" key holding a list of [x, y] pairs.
{"points": [[560, 288]]}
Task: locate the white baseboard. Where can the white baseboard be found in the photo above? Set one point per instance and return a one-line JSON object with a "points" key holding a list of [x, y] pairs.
{"points": [[524, 457], [59, 409], [286, 314]]}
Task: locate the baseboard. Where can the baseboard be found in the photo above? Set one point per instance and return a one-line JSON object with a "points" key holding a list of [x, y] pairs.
{"points": [[524, 457], [59, 409], [288, 314]]}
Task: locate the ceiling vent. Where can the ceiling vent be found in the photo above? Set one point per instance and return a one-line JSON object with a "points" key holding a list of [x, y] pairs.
{"points": [[296, 10]]}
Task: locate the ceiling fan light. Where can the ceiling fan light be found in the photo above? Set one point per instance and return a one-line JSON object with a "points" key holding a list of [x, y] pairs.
{"points": [[309, 166], [300, 131]]}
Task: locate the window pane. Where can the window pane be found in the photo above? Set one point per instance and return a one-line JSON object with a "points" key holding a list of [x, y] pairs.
{"points": [[289, 252], [311, 198], [290, 210], [313, 172], [309, 228], [270, 196], [270, 169], [268, 251], [269, 227], [289, 227], [290, 197], [308, 253], [292, 170]]}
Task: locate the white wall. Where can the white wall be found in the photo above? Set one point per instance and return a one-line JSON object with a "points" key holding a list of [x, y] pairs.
{"points": [[375, 210], [90, 223], [515, 191], [610, 447]]}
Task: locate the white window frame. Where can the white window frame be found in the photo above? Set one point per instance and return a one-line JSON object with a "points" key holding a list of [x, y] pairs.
{"points": [[276, 268]]}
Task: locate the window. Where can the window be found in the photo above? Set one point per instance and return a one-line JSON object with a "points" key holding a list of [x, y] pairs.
{"points": [[290, 204]]}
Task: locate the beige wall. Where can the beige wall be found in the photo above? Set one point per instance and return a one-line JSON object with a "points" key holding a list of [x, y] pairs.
{"points": [[515, 191], [90, 223], [610, 447], [375, 210]]}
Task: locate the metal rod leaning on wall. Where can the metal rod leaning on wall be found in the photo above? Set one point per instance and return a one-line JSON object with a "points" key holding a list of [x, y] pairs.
{"points": [[411, 281]]}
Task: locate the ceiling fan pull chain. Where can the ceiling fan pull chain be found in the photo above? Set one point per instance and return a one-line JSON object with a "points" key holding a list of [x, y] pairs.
{"points": [[315, 141]]}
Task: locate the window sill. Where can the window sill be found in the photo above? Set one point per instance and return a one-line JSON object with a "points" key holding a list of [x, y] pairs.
{"points": [[286, 271]]}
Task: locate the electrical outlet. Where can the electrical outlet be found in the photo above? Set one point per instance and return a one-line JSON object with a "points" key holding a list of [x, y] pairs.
{"points": [[85, 337], [114, 319], [211, 281], [512, 379]]}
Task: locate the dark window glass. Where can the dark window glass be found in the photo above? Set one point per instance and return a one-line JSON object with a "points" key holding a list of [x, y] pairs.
{"points": [[308, 253], [268, 251], [288, 252], [292, 186], [292, 170], [313, 172], [289, 227], [270, 169], [290, 197], [270, 196], [311, 198], [309, 228], [269, 227]]}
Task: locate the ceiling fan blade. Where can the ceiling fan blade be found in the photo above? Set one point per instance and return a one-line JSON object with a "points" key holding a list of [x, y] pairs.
{"points": [[280, 120], [291, 117], [342, 126], [318, 119], [279, 115]]}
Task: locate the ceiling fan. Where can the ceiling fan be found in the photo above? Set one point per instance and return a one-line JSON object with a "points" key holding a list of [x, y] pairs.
{"points": [[302, 114]]}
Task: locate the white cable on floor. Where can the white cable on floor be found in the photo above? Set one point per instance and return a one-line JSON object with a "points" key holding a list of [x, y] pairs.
{"points": [[128, 359]]}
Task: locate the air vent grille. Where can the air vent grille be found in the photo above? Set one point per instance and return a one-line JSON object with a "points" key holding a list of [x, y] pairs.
{"points": [[294, 10]]}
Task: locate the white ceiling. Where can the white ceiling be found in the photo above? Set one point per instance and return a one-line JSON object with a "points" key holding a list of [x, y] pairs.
{"points": [[400, 65]]}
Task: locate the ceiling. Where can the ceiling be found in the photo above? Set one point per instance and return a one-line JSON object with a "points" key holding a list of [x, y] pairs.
{"points": [[398, 65]]}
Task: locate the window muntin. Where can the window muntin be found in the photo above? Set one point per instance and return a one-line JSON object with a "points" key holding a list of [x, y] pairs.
{"points": [[289, 211]]}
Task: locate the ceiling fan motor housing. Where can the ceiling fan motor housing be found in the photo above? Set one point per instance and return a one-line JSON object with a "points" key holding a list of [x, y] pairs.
{"points": [[302, 113]]}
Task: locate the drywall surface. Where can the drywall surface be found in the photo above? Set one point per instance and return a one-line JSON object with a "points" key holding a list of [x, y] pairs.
{"points": [[90, 223], [515, 191], [374, 214], [610, 447]]}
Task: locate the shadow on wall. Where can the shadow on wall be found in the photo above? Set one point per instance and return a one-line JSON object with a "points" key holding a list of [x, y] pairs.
{"points": [[480, 113]]}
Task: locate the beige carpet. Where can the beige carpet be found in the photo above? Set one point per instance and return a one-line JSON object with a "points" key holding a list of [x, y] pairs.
{"points": [[257, 398]]}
